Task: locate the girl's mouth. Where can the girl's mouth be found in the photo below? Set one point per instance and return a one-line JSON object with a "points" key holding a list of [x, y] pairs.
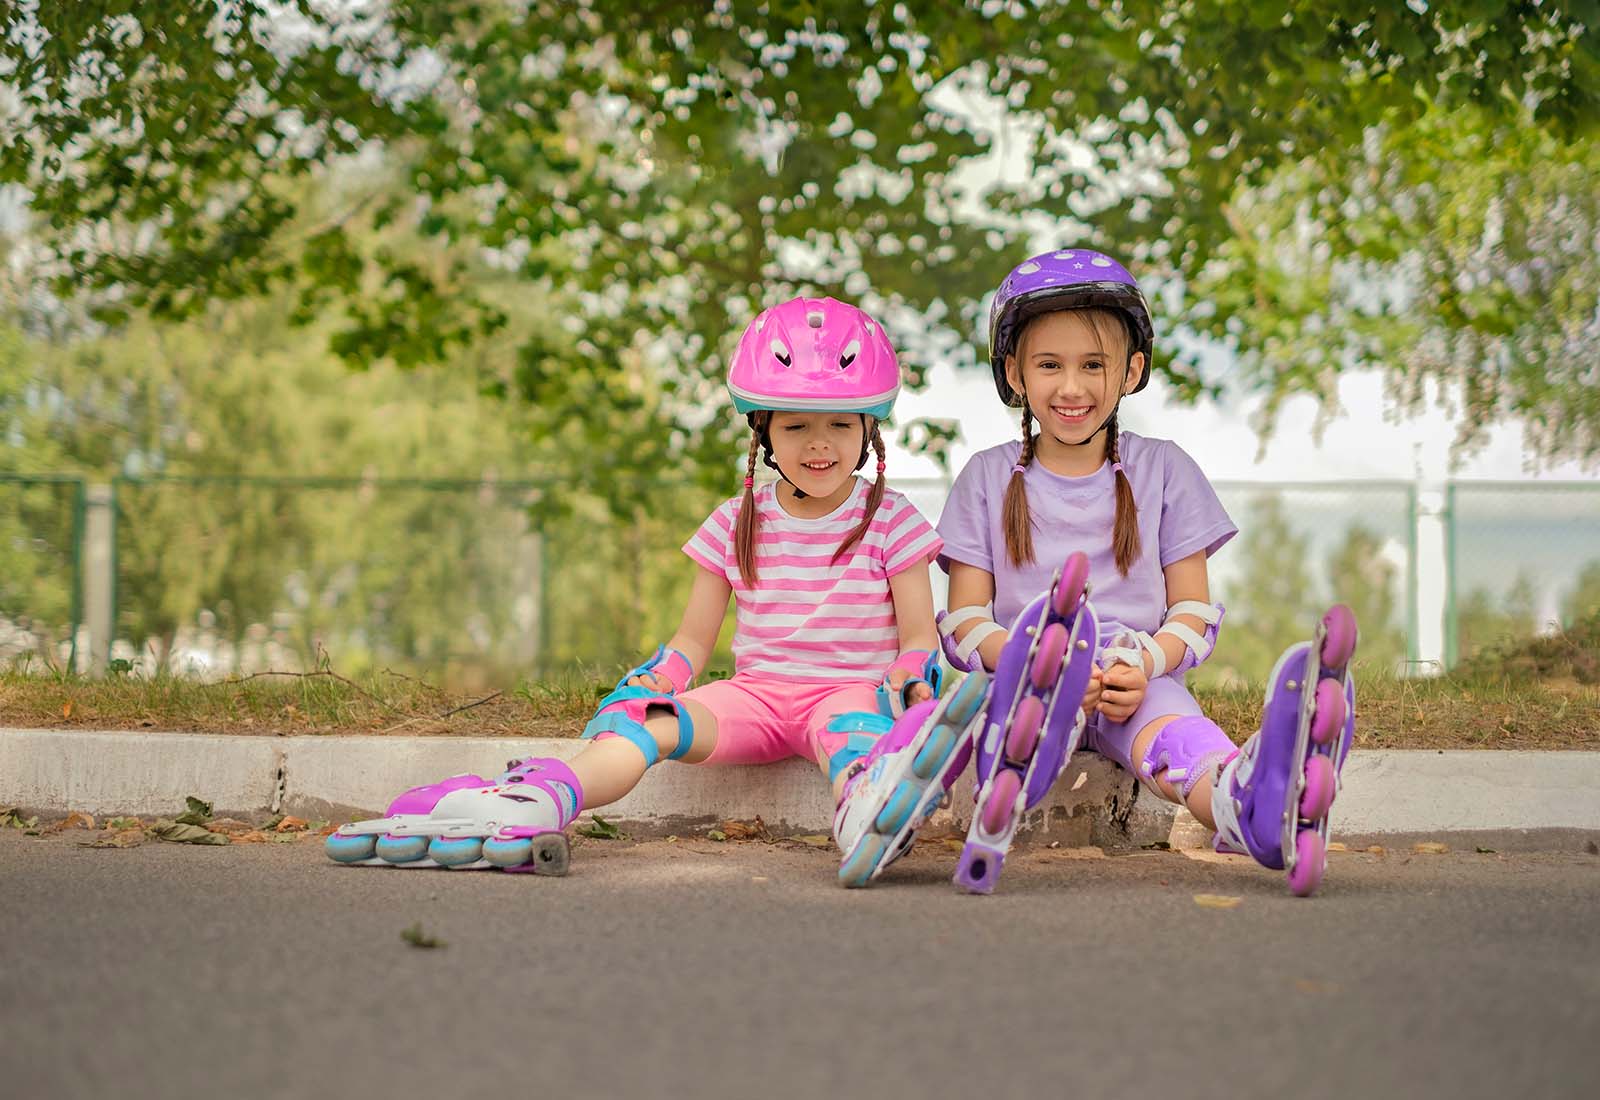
{"points": [[1072, 414], [818, 467]]}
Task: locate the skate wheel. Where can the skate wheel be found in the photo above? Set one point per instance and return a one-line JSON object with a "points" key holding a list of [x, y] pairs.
{"points": [[1002, 801], [454, 851], [551, 854], [1046, 667], [1068, 592], [350, 849], [1328, 717], [933, 753], [507, 852], [1023, 736], [1339, 644], [897, 810], [401, 849], [1310, 861], [857, 870], [1320, 787]]}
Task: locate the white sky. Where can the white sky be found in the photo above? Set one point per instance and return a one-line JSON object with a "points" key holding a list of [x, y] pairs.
{"points": [[1364, 441]]}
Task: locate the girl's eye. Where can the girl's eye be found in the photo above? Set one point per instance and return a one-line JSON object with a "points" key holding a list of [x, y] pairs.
{"points": [[1049, 364], [794, 427], [842, 425], [1093, 364]]}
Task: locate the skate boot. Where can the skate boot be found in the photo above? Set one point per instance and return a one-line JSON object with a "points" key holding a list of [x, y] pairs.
{"points": [[902, 780], [467, 822], [1271, 799], [1034, 719]]}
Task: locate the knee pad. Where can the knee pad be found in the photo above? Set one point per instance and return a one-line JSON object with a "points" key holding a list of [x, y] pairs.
{"points": [[1186, 749], [623, 713], [863, 728]]}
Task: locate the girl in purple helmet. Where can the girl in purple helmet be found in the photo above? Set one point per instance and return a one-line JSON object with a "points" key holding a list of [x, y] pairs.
{"points": [[1070, 336], [835, 648]]}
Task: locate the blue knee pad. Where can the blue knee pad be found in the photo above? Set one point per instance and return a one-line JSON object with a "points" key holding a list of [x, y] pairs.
{"points": [[623, 712], [864, 729], [1186, 749]]}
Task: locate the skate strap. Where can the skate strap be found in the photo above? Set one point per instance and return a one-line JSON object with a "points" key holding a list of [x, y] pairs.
{"points": [[922, 665], [962, 654], [1197, 647], [666, 662], [864, 728], [622, 713]]}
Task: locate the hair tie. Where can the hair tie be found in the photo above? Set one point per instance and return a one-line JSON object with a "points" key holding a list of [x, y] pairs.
{"points": [[882, 465], [1116, 468], [1019, 468], [749, 482]]}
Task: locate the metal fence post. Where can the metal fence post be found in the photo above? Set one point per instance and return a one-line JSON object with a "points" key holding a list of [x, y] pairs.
{"points": [[98, 568], [1452, 622]]}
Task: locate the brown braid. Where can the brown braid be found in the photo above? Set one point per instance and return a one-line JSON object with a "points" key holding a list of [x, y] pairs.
{"points": [[1017, 520], [874, 498], [745, 531], [1125, 532]]}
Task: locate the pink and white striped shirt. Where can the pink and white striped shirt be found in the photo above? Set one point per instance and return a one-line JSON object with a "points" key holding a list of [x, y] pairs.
{"points": [[810, 619]]}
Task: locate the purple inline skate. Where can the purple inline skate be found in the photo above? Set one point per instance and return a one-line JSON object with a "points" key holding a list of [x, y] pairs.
{"points": [[467, 822], [1271, 800], [1034, 719]]}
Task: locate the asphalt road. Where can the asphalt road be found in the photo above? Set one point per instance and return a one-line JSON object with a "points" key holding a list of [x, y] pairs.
{"points": [[705, 970]]}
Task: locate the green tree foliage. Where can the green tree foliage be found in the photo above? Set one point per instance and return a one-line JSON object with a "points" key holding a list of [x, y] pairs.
{"points": [[1484, 621], [1362, 577], [1584, 600], [1273, 602], [666, 168]]}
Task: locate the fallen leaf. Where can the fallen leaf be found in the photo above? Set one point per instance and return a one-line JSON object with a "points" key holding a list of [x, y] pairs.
{"points": [[952, 844], [1486, 851], [717, 834], [1083, 777], [181, 832], [11, 818], [66, 709], [291, 824], [1216, 901], [601, 829], [198, 812], [416, 937], [254, 836], [1378, 850], [1336, 846], [124, 838], [746, 830], [758, 878], [810, 840], [229, 826], [1430, 848], [120, 823]]}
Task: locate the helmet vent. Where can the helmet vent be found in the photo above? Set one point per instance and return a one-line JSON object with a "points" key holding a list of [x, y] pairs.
{"points": [[1028, 268], [848, 356], [814, 318], [781, 352]]}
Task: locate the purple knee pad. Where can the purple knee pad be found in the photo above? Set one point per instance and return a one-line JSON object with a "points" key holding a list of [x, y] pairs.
{"points": [[1186, 749]]}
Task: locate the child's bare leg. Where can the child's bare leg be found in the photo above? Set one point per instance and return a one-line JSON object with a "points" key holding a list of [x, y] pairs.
{"points": [[611, 767]]}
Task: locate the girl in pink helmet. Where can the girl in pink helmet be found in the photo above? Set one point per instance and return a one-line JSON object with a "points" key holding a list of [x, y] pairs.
{"points": [[1078, 502], [835, 647]]}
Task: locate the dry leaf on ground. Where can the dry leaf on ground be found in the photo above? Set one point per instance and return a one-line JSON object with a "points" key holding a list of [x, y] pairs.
{"points": [[1430, 848], [1336, 846], [291, 825], [746, 830], [229, 826], [122, 838], [1216, 901], [178, 832]]}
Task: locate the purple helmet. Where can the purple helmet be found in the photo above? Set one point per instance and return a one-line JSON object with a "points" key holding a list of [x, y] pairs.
{"points": [[1070, 278]]}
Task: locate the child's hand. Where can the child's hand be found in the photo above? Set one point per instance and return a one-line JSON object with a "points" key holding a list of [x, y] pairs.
{"points": [[920, 691], [1123, 691], [652, 681], [1091, 694]]}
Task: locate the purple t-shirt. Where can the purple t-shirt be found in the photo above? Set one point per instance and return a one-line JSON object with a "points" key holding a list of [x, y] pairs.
{"points": [[1179, 513]]}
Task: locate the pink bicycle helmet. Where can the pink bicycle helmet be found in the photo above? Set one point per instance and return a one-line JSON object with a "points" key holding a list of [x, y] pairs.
{"points": [[814, 355]]}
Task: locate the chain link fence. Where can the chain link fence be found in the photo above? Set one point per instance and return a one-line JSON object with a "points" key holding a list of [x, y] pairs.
{"points": [[41, 541], [473, 583]]}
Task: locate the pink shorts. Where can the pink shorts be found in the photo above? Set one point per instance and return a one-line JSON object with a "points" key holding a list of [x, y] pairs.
{"points": [[762, 721]]}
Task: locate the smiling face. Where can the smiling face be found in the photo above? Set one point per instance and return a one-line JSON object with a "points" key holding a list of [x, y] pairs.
{"points": [[817, 452], [1073, 366]]}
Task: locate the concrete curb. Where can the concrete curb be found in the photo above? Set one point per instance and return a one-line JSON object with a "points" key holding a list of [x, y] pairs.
{"points": [[1398, 793]]}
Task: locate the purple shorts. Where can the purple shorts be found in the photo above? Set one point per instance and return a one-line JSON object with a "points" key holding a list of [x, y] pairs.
{"points": [[761, 721], [1114, 740]]}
